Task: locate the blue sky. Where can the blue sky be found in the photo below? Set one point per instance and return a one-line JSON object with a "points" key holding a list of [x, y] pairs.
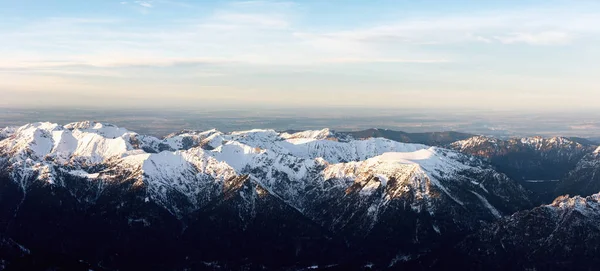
{"points": [[394, 54]]}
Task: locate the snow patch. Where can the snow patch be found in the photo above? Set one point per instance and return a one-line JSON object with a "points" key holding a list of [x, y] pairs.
{"points": [[485, 202], [382, 178], [541, 181], [83, 174]]}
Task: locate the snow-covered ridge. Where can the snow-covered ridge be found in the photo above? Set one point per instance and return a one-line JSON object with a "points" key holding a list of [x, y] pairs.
{"points": [[536, 142], [488, 146], [308, 136], [585, 205], [416, 165], [295, 167], [7, 132], [475, 141], [91, 142]]}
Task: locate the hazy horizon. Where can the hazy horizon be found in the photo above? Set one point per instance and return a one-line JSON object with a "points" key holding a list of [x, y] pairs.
{"points": [[155, 122]]}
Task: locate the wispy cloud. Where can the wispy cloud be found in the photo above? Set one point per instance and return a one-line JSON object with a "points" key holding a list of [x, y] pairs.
{"points": [[251, 20], [534, 27], [542, 38], [281, 50], [175, 3], [152, 4], [111, 62], [384, 60], [146, 4], [273, 4], [250, 34]]}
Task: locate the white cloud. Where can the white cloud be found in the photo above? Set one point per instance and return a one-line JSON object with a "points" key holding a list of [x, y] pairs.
{"points": [[244, 35], [542, 38], [251, 19], [233, 43], [174, 3], [384, 60], [145, 4], [535, 27], [109, 61], [261, 3]]}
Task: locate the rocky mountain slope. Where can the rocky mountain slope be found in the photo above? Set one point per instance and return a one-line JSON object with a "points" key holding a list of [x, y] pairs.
{"points": [[120, 200], [564, 235], [533, 158], [539, 164], [584, 179]]}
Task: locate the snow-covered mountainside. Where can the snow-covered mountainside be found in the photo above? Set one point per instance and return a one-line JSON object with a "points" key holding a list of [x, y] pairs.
{"points": [[284, 162], [429, 138], [367, 192], [530, 158], [6, 132], [564, 235]]}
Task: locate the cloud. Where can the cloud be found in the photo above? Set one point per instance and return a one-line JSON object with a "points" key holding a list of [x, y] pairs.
{"points": [[251, 19], [384, 60], [534, 27], [174, 3], [260, 4], [278, 47], [251, 33], [111, 62], [542, 38], [146, 4], [56, 21]]}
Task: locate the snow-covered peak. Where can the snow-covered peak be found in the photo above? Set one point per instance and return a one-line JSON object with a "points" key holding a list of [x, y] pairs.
{"points": [[256, 133], [35, 139], [409, 157], [236, 154], [103, 129], [307, 136], [541, 143], [187, 139], [474, 141], [193, 133], [597, 151], [584, 205], [488, 147], [535, 140], [84, 142], [427, 159], [431, 164], [432, 160], [80, 125], [7, 132]]}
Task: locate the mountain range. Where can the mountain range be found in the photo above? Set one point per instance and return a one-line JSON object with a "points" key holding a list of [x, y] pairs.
{"points": [[94, 196]]}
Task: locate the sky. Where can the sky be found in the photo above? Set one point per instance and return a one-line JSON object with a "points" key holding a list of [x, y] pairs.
{"points": [[504, 55]]}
